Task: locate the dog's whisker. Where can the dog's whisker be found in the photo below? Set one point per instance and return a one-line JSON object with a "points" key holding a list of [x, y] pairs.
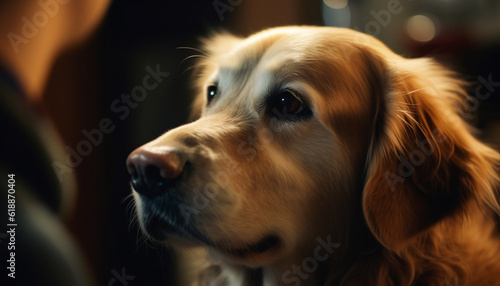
{"points": [[193, 49]]}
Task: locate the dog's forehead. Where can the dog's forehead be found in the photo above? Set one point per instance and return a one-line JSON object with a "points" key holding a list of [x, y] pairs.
{"points": [[265, 53], [260, 61]]}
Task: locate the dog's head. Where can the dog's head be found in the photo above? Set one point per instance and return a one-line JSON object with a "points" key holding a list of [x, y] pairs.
{"points": [[299, 129]]}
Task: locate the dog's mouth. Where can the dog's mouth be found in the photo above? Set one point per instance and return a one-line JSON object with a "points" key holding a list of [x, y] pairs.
{"points": [[172, 227], [267, 244]]}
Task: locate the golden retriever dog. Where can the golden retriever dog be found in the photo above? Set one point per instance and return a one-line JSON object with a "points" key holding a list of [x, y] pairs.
{"points": [[320, 157]]}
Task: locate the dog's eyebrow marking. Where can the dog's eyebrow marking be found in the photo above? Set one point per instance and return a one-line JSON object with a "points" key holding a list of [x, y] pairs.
{"points": [[246, 67], [241, 69], [239, 72]]}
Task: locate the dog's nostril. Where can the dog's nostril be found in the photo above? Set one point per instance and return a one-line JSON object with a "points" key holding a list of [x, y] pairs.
{"points": [[148, 180], [153, 177], [138, 182]]}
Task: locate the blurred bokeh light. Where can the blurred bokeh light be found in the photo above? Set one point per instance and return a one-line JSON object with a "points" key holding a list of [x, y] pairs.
{"points": [[336, 13], [421, 28]]}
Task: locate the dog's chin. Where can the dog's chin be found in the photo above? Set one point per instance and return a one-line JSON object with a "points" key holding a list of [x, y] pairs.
{"points": [[169, 233], [255, 253], [252, 253]]}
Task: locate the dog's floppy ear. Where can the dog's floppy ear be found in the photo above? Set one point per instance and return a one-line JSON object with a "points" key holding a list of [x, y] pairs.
{"points": [[214, 47], [423, 163]]}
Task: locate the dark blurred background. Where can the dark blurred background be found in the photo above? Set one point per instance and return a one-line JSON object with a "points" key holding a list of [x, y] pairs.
{"points": [[462, 34]]}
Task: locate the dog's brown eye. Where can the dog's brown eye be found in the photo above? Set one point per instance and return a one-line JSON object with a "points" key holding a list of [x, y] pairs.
{"points": [[211, 92], [288, 106]]}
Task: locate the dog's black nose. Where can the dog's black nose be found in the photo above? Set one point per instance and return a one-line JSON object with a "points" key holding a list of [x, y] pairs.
{"points": [[154, 169]]}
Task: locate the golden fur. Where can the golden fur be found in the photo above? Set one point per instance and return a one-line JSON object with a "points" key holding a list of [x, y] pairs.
{"points": [[385, 167]]}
